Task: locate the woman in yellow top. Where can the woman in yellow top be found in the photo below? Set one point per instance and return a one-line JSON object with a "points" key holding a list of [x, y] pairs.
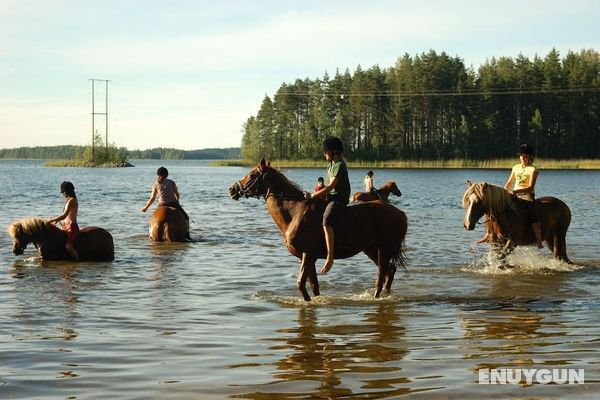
{"points": [[524, 176]]}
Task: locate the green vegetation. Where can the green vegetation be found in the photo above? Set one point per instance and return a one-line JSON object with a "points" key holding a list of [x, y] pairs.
{"points": [[432, 107], [81, 155], [506, 163]]}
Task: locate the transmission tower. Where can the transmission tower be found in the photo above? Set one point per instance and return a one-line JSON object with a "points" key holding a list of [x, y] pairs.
{"points": [[94, 113]]}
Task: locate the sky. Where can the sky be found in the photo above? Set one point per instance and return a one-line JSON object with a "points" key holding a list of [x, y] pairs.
{"points": [[187, 74]]}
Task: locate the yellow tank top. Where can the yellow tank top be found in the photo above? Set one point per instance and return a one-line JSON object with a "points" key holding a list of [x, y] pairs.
{"points": [[523, 175]]}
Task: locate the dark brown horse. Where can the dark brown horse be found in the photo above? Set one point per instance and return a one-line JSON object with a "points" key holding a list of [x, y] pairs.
{"points": [[375, 228], [92, 243], [168, 224], [506, 224], [384, 193]]}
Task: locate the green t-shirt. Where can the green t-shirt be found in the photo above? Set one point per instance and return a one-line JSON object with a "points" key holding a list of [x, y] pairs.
{"points": [[342, 189]]}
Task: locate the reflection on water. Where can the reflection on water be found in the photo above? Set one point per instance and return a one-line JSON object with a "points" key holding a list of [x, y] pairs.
{"points": [[368, 349]]}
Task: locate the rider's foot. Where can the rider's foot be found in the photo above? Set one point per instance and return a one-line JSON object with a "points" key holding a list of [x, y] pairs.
{"points": [[327, 266]]}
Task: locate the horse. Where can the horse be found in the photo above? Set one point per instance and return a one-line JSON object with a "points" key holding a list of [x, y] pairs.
{"points": [[507, 225], [378, 229], [92, 243], [168, 224], [382, 193]]}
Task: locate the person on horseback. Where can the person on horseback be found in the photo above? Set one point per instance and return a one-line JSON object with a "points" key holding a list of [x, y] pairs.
{"points": [[320, 185], [69, 216], [524, 176], [337, 191], [369, 187], [168, 195]]}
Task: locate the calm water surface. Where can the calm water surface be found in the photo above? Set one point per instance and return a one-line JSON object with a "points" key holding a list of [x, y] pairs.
{"points": [[221, 317]]}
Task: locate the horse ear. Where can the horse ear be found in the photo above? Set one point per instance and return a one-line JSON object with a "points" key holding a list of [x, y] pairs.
{"points": [[485, 185], [263, 162], [469, 183], [268, 163]]}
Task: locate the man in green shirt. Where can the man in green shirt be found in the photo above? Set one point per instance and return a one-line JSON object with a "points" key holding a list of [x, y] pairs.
{"points": [[337, 191]]}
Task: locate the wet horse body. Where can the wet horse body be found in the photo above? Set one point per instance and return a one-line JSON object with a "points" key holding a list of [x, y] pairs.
{"points": [[377, 229], [92, 243], [507, 225], [382, 193], [168, 224]]}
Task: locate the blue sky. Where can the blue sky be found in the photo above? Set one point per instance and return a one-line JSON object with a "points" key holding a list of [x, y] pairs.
{"points": [[188, 74]]}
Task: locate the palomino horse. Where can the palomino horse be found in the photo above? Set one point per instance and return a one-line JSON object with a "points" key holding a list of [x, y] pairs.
{"points": [[375, 228], [384, 193], [507, 224], [168, 224], [92, 243]]}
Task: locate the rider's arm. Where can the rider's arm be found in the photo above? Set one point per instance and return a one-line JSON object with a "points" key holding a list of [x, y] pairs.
{"points": [[510, 181], [175, 191], [151, 199], [70, 204]]}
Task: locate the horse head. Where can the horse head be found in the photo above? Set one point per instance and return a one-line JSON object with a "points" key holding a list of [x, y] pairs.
{"points": [[20, 237], [474, 204], [394, 189], [251, 185]]}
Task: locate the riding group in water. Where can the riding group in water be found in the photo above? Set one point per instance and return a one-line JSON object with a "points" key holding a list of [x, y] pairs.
{"points": [[323, 225]]}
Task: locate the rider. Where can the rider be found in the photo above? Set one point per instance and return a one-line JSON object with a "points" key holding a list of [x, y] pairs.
{"points": [[337, 191], [168, 195], [320, 185], [369, 187], [69, 216], [524, 176]]}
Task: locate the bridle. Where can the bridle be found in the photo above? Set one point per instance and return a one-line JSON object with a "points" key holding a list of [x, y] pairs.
{"points": [[245, 190]]}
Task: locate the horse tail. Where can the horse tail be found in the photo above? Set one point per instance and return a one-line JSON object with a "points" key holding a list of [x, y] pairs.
{"points": [[400, 260]]}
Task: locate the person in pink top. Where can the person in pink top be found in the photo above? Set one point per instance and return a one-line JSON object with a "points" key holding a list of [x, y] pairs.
{"points": [[69, 218], [168, 195]]}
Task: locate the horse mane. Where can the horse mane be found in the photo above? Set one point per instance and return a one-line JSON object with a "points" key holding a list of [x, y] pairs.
{"points": [[288, 186], [496, 198], [30, 226], [388, 184]]}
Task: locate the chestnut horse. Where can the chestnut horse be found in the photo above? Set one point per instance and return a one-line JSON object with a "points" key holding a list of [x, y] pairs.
{"points": [[506, 223], [168, 224], [384, 193], [375, 228], [92, 243]]}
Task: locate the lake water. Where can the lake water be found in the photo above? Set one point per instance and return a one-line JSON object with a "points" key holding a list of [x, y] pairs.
{"points": [[221, 317]]}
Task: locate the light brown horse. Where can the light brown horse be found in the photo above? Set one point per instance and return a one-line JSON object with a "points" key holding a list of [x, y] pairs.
{"points": [[168, 224], [506, 223], [382, 193], [375, 228], [92, 243]]}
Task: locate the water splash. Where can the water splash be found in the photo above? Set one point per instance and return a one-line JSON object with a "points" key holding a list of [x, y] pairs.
{"points": [[523, 260]]}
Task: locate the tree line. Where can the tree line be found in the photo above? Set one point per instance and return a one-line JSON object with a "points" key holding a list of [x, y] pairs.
{"points": [[432, 106], [69, 152]]}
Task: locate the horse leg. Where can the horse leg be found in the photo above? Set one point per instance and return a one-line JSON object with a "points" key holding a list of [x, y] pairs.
{"points": [[560, 247], [312, 274], [502, 250], [390, 278], [375, 254], [303, 276]]}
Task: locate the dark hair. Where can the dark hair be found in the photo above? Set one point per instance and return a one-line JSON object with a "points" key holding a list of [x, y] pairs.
{"points": [[370, 173], [334, 144], [320, 179], [526, 149], [162, 171], [68, 188]]}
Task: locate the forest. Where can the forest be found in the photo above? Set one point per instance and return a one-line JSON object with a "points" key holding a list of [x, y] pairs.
{"points": [[70, 152], [433, 107]]}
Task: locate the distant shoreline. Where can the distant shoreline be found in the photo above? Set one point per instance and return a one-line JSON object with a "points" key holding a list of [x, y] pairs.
{"points": [[586, 164]]}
